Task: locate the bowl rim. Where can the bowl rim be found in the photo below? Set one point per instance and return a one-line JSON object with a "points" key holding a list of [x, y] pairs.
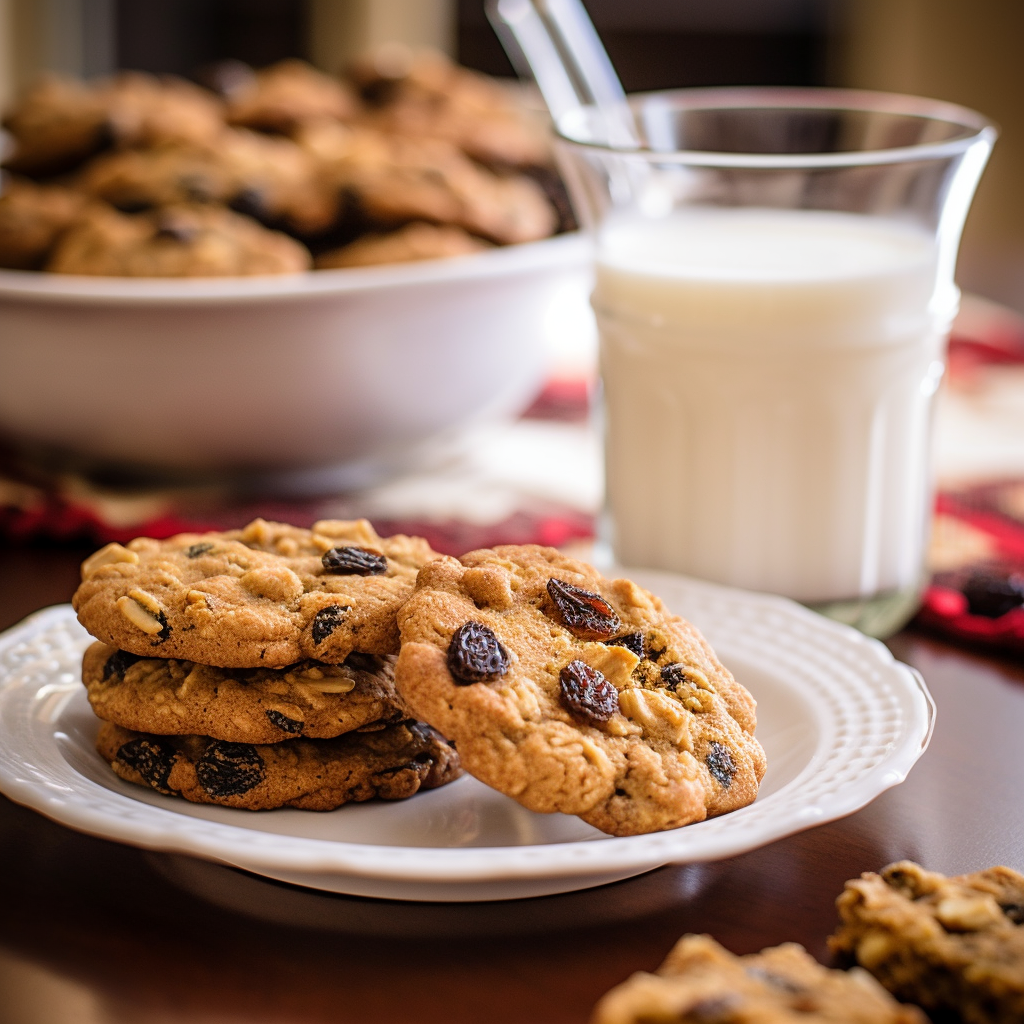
{"points": [[37, 286]]}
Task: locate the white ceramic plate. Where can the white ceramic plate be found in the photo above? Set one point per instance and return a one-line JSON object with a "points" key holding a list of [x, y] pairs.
{"points": [[840, 721]]}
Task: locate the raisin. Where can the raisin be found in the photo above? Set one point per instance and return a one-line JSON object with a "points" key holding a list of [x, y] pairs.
{"points": [[353, 561], [992, 595], [586, 615], [119, 663], [379, 92], [326, 621], [132, 204], [631, 641], [905, 882], [165, 630], [230, 769], [152, 760], [1014, 911], [198, 549], [674, 676], [475, 655], [720, 763], [252, 202], [587, 694], [283, 722]]}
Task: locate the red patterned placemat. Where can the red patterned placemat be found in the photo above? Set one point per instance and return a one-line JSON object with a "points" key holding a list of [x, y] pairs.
{"points": [[39, 503], [976, 595]]}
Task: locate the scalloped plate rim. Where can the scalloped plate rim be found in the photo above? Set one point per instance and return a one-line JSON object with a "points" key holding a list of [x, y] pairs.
{"points": [[170, 831]]}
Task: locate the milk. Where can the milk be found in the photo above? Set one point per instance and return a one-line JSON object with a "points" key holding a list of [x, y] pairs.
{"points": [[767, 379]]}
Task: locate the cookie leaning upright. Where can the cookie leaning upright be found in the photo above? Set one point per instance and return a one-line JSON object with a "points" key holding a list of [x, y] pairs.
{"points": [[573, 693], [267, 595]]}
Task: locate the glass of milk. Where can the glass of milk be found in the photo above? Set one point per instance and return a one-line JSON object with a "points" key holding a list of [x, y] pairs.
{"points": [[773, 291]]}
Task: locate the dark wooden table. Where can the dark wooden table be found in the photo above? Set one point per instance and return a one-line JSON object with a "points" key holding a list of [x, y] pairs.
{"points": [[92, 931]]}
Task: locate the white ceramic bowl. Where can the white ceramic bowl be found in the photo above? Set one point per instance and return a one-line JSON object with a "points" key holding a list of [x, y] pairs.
{"points": [[352, 367]]}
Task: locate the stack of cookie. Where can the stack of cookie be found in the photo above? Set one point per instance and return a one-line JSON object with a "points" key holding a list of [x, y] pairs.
{"points": [[273, 171], [566, 691], [255, 668]]}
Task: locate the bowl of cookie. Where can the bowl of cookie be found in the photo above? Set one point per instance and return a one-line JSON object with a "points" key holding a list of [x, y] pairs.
{"points": [[276, 270]]}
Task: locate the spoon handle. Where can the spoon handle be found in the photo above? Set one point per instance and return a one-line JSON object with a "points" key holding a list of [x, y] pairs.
{"points": [[555, 42]]}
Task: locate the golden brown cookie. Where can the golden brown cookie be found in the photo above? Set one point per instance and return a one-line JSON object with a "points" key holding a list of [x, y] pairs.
{"points": [[286, 94], [421, 93], [269, 178], [177, 241], [394, 180], [702, 983], [133, 180], [315, 775], [278, 182], [416, 241], [56, 124], [953, 945], [147, 110], [573, 693], [262, 705], [268, 595], [32, 218]]}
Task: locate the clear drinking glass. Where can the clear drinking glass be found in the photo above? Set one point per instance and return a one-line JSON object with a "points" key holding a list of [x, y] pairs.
{"points": [[774, 288]]}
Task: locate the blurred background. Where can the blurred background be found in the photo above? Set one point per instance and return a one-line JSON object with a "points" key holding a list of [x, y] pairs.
{"points": [[968, 53]]}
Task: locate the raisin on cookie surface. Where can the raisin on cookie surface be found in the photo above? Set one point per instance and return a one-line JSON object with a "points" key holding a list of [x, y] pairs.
{"points": [[573, 693], [314, 775], [702, 983], [169, 696], [269, 178], [950, 944], [267, 595]]}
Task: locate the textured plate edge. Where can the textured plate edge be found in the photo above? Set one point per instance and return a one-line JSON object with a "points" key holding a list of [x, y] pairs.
{"points": [[233, 845]]}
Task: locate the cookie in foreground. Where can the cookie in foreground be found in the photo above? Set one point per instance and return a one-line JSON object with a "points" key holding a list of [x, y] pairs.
{"points": [[950, 944], [573, 693], [261, 705], [267, 595], [702, 983], [392, 763]]}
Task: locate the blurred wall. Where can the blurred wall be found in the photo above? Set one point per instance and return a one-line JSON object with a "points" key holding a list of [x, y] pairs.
{"points": [[92, 37], [970, 53], [341, 29], [74, 37], [663, 44]]}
